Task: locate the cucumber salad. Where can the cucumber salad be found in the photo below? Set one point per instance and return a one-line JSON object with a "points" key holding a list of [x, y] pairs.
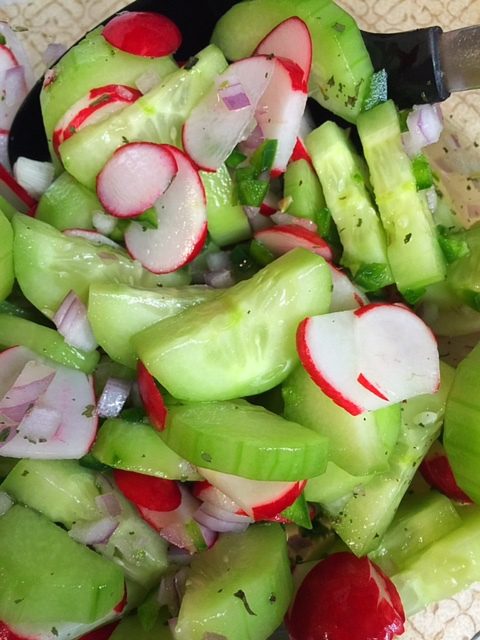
{"points": [[223, 407]]}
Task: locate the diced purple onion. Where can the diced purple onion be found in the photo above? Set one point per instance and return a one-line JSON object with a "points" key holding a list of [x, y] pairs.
{"points": [[167, 595], [5, 502], [40, 423], [256, 219], [147, 81], [53, 52], [4, 159], [253, 140], [14, 89], [178, 556], [219, 279], [14, 43], [209, 536], [432, 198], [172, 623], [93, 236], [218, 260], [234, 97], [72, 323], [285, 218], [425, 124], [215, 524], [103, 223], [113, 398], [109, 504], [216, 511], [96, 532]]}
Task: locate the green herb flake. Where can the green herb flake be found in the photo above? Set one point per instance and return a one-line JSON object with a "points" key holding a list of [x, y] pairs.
{"points": [[206, 456], [241, 595], [407, 238], [3, 40], [331, 81], [103, 99], [54, 631], [273, 598], [89, 411], [338, 26], [191, 63], [4, 433]]}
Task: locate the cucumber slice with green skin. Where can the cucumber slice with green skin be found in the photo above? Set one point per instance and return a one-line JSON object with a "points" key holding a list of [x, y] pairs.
{"points": [[360, 444], [91, 63], [414, 253], [136, 446], [334, 485], [341, 66], [70, 582], [445, 568], [6, 208], [419, 522], [363, 520], [359, 227], [60, 489], [240, 588], [243, 342], [132, 627], [67, 204], [244, 440], [117, 312], [462, 275], [7, 275], [301, 184], [461, 437], [157, 116], [43, 254], [46, 342]]}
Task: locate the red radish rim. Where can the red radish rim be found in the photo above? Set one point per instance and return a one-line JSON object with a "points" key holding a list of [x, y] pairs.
{"points": [[300, 152], [370, 386], [151, 397], [18, 190], [143, 33], [149, 492]]}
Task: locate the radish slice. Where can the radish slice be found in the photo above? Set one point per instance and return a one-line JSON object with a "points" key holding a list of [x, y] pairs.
{"points": [[397, 352], [300, 152], [282, 218], [97, 105], [92, 236], [260, 499], [34, 176], [143, 33], [72, 323], [214, 128], [181, 515], [135, 177], [283, 238], [157, 494], [280, 110], [210, 495], [345, 295], [17, 48], [290, 39], [70, 394], [221, 526], [96, 532], [13, 193], [182, 223], [14, 91], [151, 397]]}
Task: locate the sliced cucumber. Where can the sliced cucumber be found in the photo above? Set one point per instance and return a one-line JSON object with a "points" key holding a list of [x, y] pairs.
{"points": [[341, 66], [7, 275], [244, 440], [302, 186], [463, 274], [67, 204], [92, 63], [47, 577], [242, 342], [414, 253], [43, 254], [131, 628], [117, 312], [347, 197], [136, 446], [360, 445], [240, 588], [60, 489], [334, 485], [157, 116]]}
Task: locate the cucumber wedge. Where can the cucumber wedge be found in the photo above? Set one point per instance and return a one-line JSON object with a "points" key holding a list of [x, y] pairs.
{"points": [[238, 589], [6, 257], [301, 184], [43, 255], [117, 312], [341, 66], [244, 440], [131, 628], [157, 116], [414, 253], [243, 342]]}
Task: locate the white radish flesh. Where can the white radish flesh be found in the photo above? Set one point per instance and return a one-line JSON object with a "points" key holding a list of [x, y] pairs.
{"points": [[345, 295], [182, 223], [283, 238], [135, 177]]}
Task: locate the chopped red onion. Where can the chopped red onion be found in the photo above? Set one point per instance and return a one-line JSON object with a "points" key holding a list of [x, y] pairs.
{"points": [[180, 582], [34, 176], [4, 159], [432, 198], [253, 140], [104, 484], [113, 398], [215, 524], [109, 504], [53, 52], [172, 623], [14, 90], [234, 97], [178, 556], [216, 511], [285, 218], [103, 223], [17, 48], [209, 536], [219, 279], [256, 219], [178, 535], [92, 236], [147, 81], [96, 532], [167, 595], [5, 502], [425, 125], [72, 323], [218, 261], [40, 423]]}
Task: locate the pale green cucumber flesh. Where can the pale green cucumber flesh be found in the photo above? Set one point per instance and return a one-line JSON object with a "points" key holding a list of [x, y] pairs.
{"points": [[463, 274], [92, 63], [69, 582], [334, 485], [448, 566], [301, 185], [359, 227], [47, 342], [157, 116], [135, 446], [6, 208], [131, 628], [341, 66], [420, 521], [243, 342], [6, 257], [461, 437], [43, 254], [240, 588], [62, 490], [67, 204], [244, 440], [360, 445], [117, 312], [414, 253]]}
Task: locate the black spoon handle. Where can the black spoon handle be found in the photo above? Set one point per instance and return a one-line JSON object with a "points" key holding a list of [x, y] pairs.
{"points": [[411, 60]]}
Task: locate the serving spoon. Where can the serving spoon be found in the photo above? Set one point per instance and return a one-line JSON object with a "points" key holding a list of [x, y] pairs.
{"points": [[423, 66]]}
